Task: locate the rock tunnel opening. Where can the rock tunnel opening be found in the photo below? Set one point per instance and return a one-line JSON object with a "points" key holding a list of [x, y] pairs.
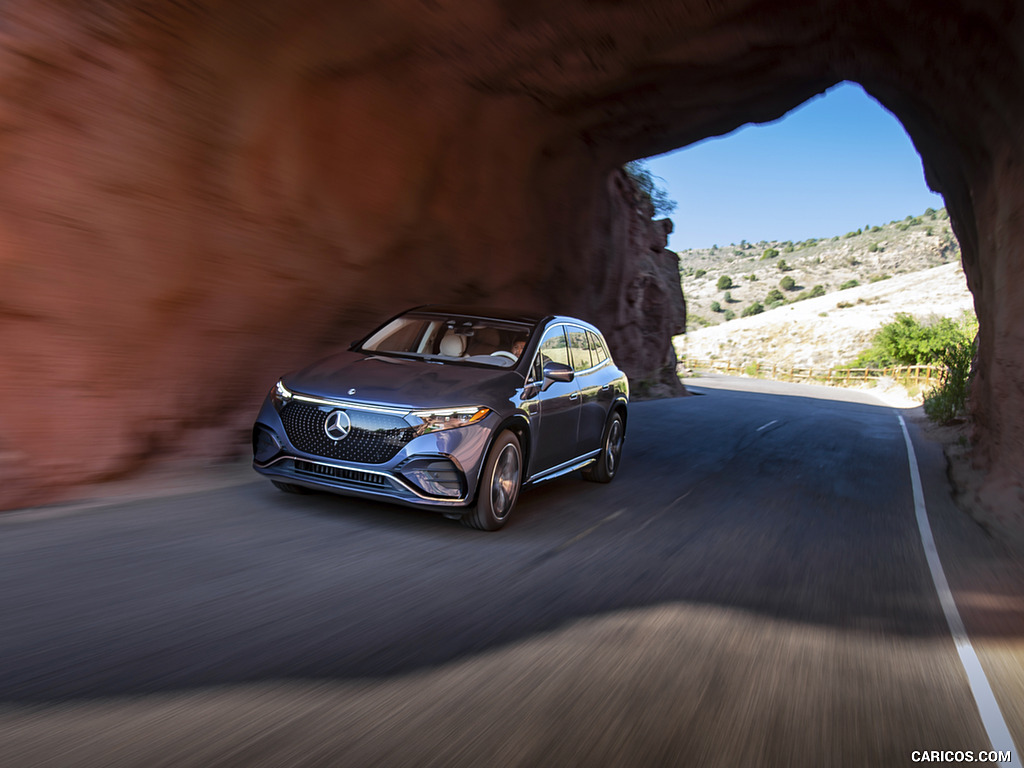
{"points": [[197, 196], [787, 201]]}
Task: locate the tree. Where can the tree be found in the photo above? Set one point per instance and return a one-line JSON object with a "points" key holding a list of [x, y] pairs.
{"points": [[754, 309], [724, 283], [769, 253], [648, 189], [787, 283], [774, 297], [716, 307]]}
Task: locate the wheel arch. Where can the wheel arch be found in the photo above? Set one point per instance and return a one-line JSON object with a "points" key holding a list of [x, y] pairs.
{"points": [[519, 425]]}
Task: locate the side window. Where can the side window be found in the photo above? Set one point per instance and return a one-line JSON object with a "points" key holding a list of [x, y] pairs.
{"points": [[580, 349], [597, 348], [552, 349]]}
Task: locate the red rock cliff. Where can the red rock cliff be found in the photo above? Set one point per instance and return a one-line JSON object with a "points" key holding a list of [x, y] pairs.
{"points": [[197, 196]]}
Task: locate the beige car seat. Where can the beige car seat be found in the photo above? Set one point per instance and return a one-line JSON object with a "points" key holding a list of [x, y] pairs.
{"points": [[452, 345]]}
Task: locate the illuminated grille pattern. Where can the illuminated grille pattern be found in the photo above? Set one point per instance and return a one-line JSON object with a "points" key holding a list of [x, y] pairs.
{"points": [[374, 439], [341, 473]]}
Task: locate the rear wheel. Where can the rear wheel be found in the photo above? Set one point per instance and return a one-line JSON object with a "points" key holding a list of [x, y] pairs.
{"points": [[290, 487], [499, 485], [607, 464]]}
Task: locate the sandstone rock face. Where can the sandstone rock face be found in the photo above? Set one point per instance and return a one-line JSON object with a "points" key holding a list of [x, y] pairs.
{"points": [[197, 196]]}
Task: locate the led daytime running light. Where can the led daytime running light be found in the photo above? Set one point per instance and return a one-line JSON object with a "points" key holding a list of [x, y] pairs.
{"points": [[449, 418]]}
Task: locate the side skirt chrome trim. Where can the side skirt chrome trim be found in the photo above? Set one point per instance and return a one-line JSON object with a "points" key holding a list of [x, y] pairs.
{"points": [[563, 469]]}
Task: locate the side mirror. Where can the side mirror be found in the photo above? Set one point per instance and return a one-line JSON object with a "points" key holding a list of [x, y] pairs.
{"points": [[557, 372]]}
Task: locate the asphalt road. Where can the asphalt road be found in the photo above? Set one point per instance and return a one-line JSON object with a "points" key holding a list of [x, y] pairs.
{"points": [[751, 590]]}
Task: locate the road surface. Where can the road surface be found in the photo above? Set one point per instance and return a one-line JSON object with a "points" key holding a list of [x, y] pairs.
{"points": [[752, 589]]}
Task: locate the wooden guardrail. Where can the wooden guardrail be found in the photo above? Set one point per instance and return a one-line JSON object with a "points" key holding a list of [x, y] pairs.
{"points": [[917, 374]]}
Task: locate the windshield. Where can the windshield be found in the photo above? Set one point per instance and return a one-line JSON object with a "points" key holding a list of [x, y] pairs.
{"points": [[451, 338]]}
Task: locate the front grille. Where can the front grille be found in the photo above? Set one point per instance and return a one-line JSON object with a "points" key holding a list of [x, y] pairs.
{"points": [[374, 438], [341, 473]]}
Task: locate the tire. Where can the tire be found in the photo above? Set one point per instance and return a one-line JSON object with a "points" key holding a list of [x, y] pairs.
{"points": [[607, 465], [290, 487], [499, 485]]}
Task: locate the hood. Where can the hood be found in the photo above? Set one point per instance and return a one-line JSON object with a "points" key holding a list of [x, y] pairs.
{"points": [[397, 381]]}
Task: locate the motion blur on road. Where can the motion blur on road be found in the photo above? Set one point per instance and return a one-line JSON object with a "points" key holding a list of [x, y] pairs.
{"points": [[751, 590]]}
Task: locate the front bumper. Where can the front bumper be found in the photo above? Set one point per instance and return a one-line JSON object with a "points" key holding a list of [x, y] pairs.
{"points": [[437, 469]]}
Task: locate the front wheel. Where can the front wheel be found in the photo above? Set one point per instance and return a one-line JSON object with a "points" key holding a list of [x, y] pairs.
{"points": [[499, 485], [607, 464]]}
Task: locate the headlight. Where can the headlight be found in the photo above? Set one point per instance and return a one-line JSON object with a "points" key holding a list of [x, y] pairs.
{"points": [[448, 418], [280, 393]]}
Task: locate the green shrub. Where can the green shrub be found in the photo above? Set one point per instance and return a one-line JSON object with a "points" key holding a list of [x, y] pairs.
{"points": [[907, 341], [774, 295], [754, 309], [729, 315], [697, 321], [814, 293], [724, 283], [873, 248], [787, 283], [769, 253], [948, 400], [849, 284], [727, 298], [878, 278], [700, 273], [716, 307], [784, 267]]}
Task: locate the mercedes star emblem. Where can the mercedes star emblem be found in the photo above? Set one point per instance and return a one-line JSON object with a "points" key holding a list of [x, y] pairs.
{"points": [[337, 425]]}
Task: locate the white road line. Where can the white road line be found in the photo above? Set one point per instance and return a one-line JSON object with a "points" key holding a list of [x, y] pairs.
{"points": [[773, 421], [988, 707]]}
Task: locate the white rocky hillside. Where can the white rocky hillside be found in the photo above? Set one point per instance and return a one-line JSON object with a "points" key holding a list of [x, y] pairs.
{"points": [[830, 330], [723, 283]]}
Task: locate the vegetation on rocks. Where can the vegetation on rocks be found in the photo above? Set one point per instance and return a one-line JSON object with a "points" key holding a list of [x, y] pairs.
{"points": [[909, 341], [816, 267]]}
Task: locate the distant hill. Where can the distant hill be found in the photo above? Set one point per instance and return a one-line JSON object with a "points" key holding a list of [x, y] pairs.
{"points": [[830, 330], [722, 283]]}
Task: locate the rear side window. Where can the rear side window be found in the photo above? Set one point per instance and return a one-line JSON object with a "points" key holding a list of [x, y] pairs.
{"points": [[597, 348], [579, 346]]}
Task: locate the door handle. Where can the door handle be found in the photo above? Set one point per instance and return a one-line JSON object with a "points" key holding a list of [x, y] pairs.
{"points": [[574, 396]]}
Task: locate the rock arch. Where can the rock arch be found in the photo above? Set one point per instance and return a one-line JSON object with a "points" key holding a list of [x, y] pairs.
{"points": [[197, 195]]}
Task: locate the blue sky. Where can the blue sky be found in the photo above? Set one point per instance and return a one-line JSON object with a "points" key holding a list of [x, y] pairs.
{"points": [[838, 162]]}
